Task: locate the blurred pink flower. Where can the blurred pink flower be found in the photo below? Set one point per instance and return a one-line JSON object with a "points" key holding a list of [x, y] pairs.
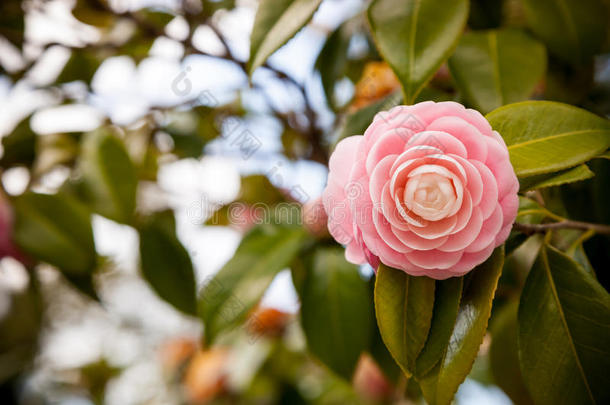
{"points": [[428, 189], [7, 246]]}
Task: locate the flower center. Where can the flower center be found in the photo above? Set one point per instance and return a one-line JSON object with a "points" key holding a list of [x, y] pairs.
{"points": [[430, 195]]}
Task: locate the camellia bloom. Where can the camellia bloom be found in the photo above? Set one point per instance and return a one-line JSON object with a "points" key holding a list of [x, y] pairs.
{"points": [[428, 189]]}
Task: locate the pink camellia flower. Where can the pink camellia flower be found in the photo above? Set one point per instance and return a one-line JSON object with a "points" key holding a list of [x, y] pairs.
{"points": [[428, 189]]}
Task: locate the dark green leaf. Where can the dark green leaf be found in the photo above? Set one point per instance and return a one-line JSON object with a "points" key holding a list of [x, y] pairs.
{"points": [[564, 330], [357, 122], [447, 296], [166, 264], [577, 173], [544, 136], [573, 30], [504, 356], [497, 67], [82, 65], [336, 311], [275, 23], [332, 60], [403, 305], [109, 177], [239, 285], [19, 146], [416, 36], [440, 385], [55, 229]]}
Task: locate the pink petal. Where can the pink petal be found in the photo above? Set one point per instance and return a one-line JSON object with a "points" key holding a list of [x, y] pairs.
{"points": [[466, 133], [462, 239], [489, 198], [489, 230]]}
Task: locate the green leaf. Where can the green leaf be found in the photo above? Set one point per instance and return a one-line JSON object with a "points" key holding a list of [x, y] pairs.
{"points": [[403, 305], [358, 121], [544, 136], [227, 298], [275, 23], [82, 65], [447, 297], [578, 173], [564, 330], [166, 264], [504, 355], [573, 30], [96, 13], [416, 36], [55, 229], [332, 60], [336, 311], [497, 67], [440, 385], [109, 177], [19, 146]]}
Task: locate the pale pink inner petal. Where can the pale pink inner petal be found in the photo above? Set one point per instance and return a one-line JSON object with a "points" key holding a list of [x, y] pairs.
{"points": [[464, 213], [430, 195], [435, 229], [414, 153]]}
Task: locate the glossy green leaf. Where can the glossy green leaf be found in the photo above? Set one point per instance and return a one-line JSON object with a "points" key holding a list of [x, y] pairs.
{"points": [[447, 297], [109, 177], [55, 229], [275, 23], [416, 36], [497, 67], [403, 305], [227, 298], [336, 311], [504, 354], [564, 330], [440, 385], [332, 60], [166, 264], [573, 30], [358, 121], [578, 173], [544, 136]]}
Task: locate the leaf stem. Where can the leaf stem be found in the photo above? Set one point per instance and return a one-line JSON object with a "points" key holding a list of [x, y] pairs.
{"points": [[530, 229]]}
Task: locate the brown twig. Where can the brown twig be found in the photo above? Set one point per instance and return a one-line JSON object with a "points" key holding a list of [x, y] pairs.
{"points": [[530, 229]]}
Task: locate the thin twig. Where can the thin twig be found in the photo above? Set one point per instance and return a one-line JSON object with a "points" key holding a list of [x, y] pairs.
{"points": [[530, 229]]}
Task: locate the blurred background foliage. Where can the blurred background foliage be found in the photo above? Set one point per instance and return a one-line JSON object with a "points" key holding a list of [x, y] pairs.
{"points": [[109, 193]]}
